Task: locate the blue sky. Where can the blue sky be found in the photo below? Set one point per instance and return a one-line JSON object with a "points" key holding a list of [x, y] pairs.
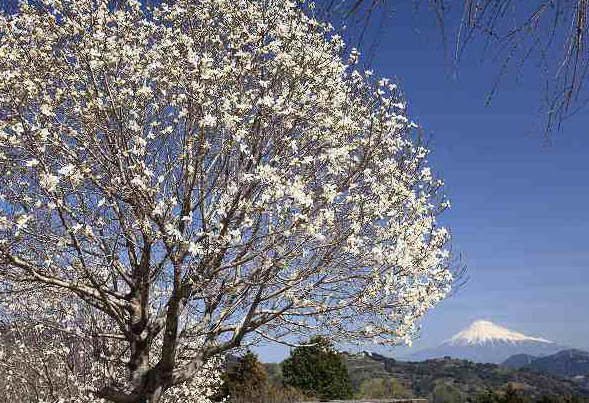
{"points": [[520, 205]]}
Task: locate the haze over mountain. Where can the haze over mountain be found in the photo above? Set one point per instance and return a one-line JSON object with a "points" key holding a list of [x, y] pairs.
{"points": [[566, 363], [519, 361], [484, 341]]}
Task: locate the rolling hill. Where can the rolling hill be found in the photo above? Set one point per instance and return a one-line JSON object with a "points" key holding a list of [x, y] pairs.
{"points": [[466, 377]]}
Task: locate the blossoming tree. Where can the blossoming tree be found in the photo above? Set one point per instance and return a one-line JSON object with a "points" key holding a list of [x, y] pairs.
{"points": [[180, 182]]}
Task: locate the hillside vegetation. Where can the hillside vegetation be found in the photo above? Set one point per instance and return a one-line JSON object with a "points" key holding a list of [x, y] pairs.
{"points": [[317, 372], [460, 379]]}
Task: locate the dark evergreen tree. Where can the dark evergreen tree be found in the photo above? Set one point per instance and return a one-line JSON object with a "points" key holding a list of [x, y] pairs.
{"points": [[317, 370], [245, 380]]}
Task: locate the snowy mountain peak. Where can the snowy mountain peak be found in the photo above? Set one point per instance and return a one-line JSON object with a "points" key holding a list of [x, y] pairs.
{"points": [[483, 331]]}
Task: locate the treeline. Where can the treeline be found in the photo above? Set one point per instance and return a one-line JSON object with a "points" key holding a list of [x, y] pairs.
{"points": [[511, 394], [312, 371], [317, 372]]}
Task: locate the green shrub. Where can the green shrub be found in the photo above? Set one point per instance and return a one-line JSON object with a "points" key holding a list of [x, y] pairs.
{"points": [[379, 388], [444, 393]]}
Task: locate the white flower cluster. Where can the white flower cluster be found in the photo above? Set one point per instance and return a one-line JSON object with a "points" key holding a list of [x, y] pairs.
{"points": [[210, 170]]}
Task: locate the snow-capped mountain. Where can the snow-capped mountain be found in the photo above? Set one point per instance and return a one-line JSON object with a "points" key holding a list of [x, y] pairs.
{"points": [[483, 331], [484, 341]]}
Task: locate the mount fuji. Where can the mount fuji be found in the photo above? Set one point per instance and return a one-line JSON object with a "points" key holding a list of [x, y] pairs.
{"points": [[484, 341]]}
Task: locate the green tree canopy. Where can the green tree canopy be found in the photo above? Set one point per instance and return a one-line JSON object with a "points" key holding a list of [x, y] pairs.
{"points": [[244, 380], [317, 370]]}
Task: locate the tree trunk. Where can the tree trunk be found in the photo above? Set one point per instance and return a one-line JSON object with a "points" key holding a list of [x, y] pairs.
{"points": [[151, 397], [150, 392]]}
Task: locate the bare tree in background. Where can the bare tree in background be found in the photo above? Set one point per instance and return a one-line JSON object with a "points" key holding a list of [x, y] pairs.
{"points": [[551, 33]]}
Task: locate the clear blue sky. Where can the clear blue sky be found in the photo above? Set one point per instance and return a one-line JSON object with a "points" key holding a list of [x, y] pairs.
{"points": [[520, 206]]}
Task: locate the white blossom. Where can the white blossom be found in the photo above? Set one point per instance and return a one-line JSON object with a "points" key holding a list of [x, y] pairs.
{"points": [[208, 121], [49, 181], [195, 249], [22, 221], [67, 170]]}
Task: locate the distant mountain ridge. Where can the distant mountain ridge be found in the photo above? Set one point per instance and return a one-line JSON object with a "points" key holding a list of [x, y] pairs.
{"points": [[484, 341], [518, 361], [565, 363], [469, 378]]}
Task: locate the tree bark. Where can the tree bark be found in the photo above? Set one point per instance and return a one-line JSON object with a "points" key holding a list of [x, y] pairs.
{"points": [[151, 397]]}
